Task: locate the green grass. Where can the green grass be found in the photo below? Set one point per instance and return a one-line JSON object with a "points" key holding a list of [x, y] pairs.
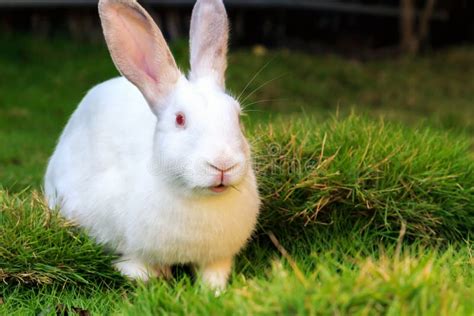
{"points": [[361, 215], [356, 172], [407, 285]]}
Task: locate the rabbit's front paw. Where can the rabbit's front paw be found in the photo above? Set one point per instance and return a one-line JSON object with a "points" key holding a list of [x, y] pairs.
{"points": [[216, 274], [134, 269]]}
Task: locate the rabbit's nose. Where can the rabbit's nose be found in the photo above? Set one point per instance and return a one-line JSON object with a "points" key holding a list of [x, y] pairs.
{"points": [[223, 167]]}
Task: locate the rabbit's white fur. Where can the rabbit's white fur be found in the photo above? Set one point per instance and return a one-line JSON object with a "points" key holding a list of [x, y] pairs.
{"points": [[140, 183]]}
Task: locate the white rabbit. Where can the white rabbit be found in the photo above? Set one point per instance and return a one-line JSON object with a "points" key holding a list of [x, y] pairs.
{"points": [[155, 164]]}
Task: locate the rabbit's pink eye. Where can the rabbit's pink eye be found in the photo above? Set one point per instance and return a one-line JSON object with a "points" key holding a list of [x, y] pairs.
{"points": [[180, 119]]}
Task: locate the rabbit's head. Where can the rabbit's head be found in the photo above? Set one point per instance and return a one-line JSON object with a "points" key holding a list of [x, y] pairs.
{"points": [[199, 145]]}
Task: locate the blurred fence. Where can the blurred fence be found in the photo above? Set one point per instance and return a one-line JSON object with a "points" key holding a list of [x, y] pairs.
{"points": [[381, 8], [350, 24]]}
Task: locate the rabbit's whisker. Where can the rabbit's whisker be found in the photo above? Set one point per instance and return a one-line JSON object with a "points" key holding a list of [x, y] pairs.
{"points": [[261, 86], [254, 77], [244, 107], [235, 188]]}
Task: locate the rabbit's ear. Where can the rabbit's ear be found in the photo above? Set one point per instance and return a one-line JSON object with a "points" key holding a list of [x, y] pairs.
{"points": [[138, 48], [209, 35]]}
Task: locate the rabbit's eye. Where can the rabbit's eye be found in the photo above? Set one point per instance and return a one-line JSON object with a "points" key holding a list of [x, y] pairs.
{"points": [[180, 119]]}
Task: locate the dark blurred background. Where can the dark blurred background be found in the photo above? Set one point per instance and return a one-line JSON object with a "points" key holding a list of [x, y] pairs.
{"points": [[354, 27]]}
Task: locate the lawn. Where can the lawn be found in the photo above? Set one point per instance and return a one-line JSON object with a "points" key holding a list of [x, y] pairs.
{"points": [[366, 170]]}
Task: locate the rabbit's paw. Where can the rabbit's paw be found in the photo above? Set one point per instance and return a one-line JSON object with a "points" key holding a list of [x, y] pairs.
{"points": [[133, 269], [216, 274]]}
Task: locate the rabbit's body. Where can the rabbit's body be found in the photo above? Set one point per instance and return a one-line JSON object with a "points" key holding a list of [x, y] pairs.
{"points": [[154, 164], [101, 177]]}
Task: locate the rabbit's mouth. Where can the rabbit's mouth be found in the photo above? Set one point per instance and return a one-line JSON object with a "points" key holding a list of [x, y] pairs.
{"points": [[218, 188]]}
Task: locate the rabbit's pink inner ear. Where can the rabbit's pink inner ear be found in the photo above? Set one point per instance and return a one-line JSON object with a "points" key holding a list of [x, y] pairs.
{"points": [[135, 42], [209, 36], [138, 48]]}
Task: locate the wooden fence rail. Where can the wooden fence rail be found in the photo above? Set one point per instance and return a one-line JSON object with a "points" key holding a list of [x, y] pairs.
{"points": [[329, 5]]}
